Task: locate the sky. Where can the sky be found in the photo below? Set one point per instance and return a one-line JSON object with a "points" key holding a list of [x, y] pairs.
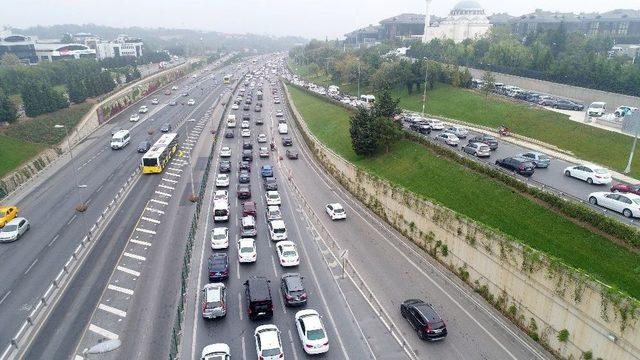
{"points": [[308, 18]]}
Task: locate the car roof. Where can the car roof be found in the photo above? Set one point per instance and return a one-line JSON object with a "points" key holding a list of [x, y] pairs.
{"points": [[246, 242], [286, 243], [277, 223], [310, 318], [428, 312], [293, 281], [259, 288], [631, 196], [268, 336], [15, 221], [272, 192], [220, 230]]}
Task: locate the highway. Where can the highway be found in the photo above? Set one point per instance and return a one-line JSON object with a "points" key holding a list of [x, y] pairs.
{"points": [[30, 264]]}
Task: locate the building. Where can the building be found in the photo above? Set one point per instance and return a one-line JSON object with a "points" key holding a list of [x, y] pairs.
{"points": [[403, 26], [466, 20], [123, 46], [367, 35], [21, 46], [56, 51], [87, 39]]}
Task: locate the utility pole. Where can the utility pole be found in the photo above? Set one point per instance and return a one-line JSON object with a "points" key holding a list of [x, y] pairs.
{"points": [[424, 95], [358, 78], [81, 207], [635, 119]]}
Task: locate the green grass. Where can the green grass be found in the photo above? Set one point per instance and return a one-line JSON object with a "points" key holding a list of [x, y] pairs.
{"points": [[414, 167], [14, 152]]}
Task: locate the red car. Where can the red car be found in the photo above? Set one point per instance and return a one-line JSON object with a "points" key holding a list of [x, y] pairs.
{"points": [[249, 208], [626, 188]]}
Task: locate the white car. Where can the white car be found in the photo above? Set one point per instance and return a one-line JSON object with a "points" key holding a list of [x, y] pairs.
{"points": [[592, 174], [219, 238], [218, 351], [279, 113], [143, 109], [627, 204], [191, 102], [174, 88], [222, 180], [311, 332], [268, 343], [245, 124], [448, 138], [272, 198], [273, 213], [287, 253], [277, 230], [155, 102], [435, 124], [221, 195], [246, 133], [134, 117], [458, 131], [225, 152], [262, 138], [247, 252], [14, 229], [235, 107], [335, 211]]}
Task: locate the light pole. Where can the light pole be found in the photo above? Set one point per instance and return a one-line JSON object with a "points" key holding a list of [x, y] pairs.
{"points": [[81, 207], [635, 119], [358, 79], [424, 95], [193, 197]]}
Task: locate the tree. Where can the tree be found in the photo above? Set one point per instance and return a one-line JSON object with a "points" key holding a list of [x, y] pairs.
{"points": [[9, 59], [489, 81], [76, 90], [8, 111], [39, 98], [387, 132], [386, 106], [106, 82], [66, 39], [363, 134]]}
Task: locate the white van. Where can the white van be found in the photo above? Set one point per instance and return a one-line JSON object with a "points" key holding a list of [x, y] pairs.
{"points": [[120, 139], [231, 121], [597, 109], [283, 128], [277, 230], [221, 210]]}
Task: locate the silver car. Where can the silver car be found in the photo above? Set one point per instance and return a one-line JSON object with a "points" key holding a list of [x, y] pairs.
{"points": [[538, 159], [14, 229], [214, 301]]}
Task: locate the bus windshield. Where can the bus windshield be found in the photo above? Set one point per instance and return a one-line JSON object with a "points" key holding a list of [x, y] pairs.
{"points": [[150, 162]]}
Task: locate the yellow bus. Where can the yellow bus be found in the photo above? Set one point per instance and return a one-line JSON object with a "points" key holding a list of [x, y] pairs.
{"points": [[157, 158], [227, 79]]}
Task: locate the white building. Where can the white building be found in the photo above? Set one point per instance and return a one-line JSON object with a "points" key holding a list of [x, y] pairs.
{"points": [[56, 51], [466, 20], [123, 46]]}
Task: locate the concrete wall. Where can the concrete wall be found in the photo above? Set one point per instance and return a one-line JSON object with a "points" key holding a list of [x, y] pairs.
{"points": [[583, 95], [542, 296]]}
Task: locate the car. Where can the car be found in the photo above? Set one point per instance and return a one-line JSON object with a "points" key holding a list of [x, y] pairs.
{"points": [[287, 253], [279, 113], [258, 298], [247, 250], [486, 139], [174, 88], [293, 290], [311, 332], [249, 208], [540, 160], [221, 195], [185, 94], [225, 152], [624, 110], [273, 213], [218, 267], [155, 101], [7, 213], [477, 149], [229, 133], [246, 117], [246, 107], [246, 144], [263, 152], [564, 104], [262, 138], [14, 229], [245, 124], [235, 107], [520, 165], [244, 191], [143, 109], [459, 131], [627, 204], [272, 198], [277, 230], [247, 155], [259, 121], [257, 109], [547, 101], [173, 103], [245, 133], [266, 170], [592, 174], [166, 127], [219, 238], [435, 124], [424, 319], [244, 177], [420, 127], [276, 100], [268, 342], [167, 92], [222, 180], [144, 146], [448, 138], [218, 351], [244, 165], [597, 109], [214, 305], [623, 188], [335, 211], [224, 166], [270, 183], [134, 117], [287, 141]]}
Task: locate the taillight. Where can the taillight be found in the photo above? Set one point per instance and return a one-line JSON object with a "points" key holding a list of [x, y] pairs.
{"points": [[281, 356], [428, 327], [303, 296], [289, 297], [326, 343], [309, 346]]}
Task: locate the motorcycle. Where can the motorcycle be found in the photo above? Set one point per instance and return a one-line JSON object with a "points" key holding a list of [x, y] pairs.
{"points": [[504, 131]]}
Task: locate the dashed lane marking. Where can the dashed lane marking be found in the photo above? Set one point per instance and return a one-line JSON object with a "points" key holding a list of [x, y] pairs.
{"points": [[155, 210], [151, 220], [103, 332], [172, 174], [120, 289], [146, 231], [174, 169], [163, 193], [159, 202], [139, 242], [169, 180], [128, 271], [112, 310], [134, 256], [166, 187]]}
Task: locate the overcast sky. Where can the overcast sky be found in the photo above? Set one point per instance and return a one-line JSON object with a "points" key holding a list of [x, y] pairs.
{"points": [[308, 18]]}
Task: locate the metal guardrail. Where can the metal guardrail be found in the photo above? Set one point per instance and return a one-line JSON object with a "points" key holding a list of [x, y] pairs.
{"points": [[29, 329]]}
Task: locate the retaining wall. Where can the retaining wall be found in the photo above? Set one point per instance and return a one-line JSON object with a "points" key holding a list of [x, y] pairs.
{"points": [[540, 294]]}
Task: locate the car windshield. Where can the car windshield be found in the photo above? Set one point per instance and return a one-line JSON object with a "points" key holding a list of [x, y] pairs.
{"points": [[271, 352], [220, 236], [338, 210], [544, 157], [279, 230], [289, 253], [9, 228], [245, 250], [315, 334]]}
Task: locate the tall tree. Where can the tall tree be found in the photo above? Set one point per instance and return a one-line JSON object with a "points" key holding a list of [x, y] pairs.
{"points": [[8, 111], [386, 106], [387, 132], [489, 82], [76, 90], [39, 98], [9, 59], [363, 134]]}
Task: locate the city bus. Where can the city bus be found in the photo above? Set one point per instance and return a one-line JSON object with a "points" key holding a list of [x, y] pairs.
{"points": [[157, 158], [227, 79]]}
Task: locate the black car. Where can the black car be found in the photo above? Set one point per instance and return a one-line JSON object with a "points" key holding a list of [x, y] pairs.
{"points": [[258, 298], [246, 116], [247, 145], [225, 166], [424, 319], [520, 165], [291, 155], [228, 133], [218, 266], [244, 177], [244, 165], [244, 191], [486, 139], [166, 127], [293, 290], [568, 105], [247, 155], [533, 97], [287, 141], [259, 121], [270, 183], [144, 146], [421, 128]]}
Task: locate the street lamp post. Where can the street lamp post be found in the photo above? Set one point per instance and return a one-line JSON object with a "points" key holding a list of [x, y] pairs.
{"points": [[81, 207], [193, 196], [424, 95]]}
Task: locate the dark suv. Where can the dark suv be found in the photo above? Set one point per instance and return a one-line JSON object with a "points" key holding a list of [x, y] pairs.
{"points": [[421, 128], [270, 184], [225, 166], [424, 319], [520, 165], [244, 191], [258, 298], [287, 141], [218, 267], [293, 290]]}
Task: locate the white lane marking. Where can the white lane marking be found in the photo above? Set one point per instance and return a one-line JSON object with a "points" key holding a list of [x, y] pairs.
{"points": [[144, 243], [100, 188], [295, 353], [238, 271], [5, 296], [54, 239], [72, 218], [134, 256], [31, 266], [150, 220], [169, 180], [112, 310], [244, 348], [159, 202], [284, 307], [273, 262], [146, 231], [103, 332], [163, 193], [174, 169], [240, 312], [166, 187], [128, 271], [172, 174], [120, 289]]}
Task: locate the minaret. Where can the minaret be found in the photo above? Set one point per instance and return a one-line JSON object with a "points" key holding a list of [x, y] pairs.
{"points": [[427, 20]]}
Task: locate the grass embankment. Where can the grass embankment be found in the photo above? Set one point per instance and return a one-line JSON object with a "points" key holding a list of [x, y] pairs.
{"points": [[604, 147], [413, 167], [21, 141]]}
